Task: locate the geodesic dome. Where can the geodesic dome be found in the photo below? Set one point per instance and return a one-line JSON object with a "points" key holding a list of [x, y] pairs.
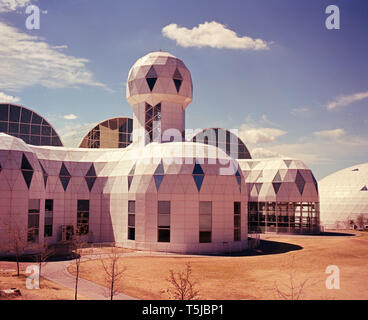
{"points": [[344, 196]]}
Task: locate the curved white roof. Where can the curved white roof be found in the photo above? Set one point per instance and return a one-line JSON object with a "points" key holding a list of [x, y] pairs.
{"points": [[344, 195]]}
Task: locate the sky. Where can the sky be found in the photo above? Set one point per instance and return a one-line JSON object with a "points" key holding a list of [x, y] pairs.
{"points": [[269, 69]]}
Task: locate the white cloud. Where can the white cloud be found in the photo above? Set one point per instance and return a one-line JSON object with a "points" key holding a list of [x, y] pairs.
{"points": [[211, 34], [259, 135], [333, 134], [301, 111], [6, 98], [72, 135], [60, 47], [12, 5], [70, 116], [27, 60], [261, 153], [345, 100]]}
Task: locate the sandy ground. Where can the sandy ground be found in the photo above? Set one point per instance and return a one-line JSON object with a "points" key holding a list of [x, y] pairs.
{"points": [[48, 289], [256, 274]]}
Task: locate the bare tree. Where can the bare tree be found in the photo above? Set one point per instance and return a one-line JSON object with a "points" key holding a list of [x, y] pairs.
{"points": [[182, 285], [348, 223], [293, 289], [44, 252], [77, 245], [360, 220], [16, 241], [113, 273]]}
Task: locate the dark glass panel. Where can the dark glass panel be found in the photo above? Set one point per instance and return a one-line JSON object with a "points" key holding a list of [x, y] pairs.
{"points": [[205, 236], [45, 141], [300, 182], [151, 82], [197, 169], [26, 116], [48, 230], [131, 233], [64, 181], [177, 84], [83, 205], [24, 128], [46, 131], [237, 236], [91, 172], [35, 140], [36, 119], [276, 186], [3, 126], [49, 205], [4, 108], [130, 125], [14, 114], [27, 175], [36, 130], [24, 137], [163, 235], [160, 169], [13, 128], [25, 164], [56, 142], [64, 171], [237, 208], [198, 181], [90, 182]]}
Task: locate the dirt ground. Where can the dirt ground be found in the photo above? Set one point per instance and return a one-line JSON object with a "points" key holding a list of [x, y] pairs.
{"points": [[48, 289], [256, 275]]}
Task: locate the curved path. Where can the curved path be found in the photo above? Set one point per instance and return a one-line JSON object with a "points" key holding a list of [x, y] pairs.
{"points": [[57, 271]]}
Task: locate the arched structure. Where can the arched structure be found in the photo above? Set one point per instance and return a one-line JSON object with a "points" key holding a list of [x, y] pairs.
{"points": [[344, 197], [225, 140], [111, 133], [27, 125]]}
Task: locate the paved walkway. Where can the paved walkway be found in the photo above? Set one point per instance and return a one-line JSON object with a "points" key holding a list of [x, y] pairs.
{"points": [[57, 271]]}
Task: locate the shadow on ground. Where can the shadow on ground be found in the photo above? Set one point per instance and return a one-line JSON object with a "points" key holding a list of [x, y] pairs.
{"points": [[266, 247], [333, 234], [32, 259]]}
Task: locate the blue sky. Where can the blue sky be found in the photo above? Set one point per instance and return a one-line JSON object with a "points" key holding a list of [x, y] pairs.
{"points": [[306, 96]]}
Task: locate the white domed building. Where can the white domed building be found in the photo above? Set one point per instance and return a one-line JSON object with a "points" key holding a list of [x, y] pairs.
{"points": [[344, 197], [154, 191]]}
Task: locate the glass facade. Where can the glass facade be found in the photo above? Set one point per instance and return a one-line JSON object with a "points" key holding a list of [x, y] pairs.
{"points": [[163, 221], [205, 221], [237, 221], [83, 217], [49, 208], [27, 125], [152, 124], [33, 220], [283, 217], [112, 133], [225, 140], [131, 220]]}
